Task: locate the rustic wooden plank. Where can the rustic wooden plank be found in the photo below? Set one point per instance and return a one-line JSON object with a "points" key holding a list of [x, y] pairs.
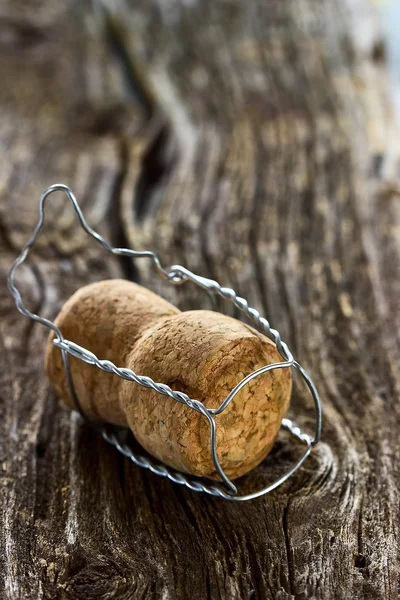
{"points": [[253, 142]]}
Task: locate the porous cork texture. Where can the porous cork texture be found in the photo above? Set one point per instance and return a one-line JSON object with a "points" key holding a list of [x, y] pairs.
{"points": [[202, 353]]}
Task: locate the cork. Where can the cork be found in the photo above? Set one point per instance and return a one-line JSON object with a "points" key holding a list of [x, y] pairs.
{"points": [[202, 353]]}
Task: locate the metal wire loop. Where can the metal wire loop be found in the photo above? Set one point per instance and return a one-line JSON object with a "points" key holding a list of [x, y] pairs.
{"points": [[176, 274]]}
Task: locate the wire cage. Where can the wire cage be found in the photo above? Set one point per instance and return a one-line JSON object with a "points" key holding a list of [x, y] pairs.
{"points": [[176, 275]]}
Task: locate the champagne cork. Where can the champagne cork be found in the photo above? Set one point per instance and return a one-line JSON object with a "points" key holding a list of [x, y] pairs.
{"points": [[202, 353]]}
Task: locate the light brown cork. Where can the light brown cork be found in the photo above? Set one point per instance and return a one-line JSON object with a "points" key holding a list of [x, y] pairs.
{"points": [[202, 353]]}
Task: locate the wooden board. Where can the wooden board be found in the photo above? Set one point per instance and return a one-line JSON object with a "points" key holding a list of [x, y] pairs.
{"points": [[253, 142]]}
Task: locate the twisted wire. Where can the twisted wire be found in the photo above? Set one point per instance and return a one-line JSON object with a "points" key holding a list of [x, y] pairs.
{"points": [[182, 274], [176, 274], [197, 485], [109, 367]]}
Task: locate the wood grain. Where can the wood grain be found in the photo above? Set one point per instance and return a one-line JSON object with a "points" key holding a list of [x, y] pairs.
{"points": [[254, 143]]}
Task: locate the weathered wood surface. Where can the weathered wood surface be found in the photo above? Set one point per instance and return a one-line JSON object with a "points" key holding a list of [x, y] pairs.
{"points": [[253, 142]]}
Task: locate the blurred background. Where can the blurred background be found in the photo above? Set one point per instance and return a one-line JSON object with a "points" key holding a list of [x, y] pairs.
{"points": [[390, 14], [257, 143]]}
